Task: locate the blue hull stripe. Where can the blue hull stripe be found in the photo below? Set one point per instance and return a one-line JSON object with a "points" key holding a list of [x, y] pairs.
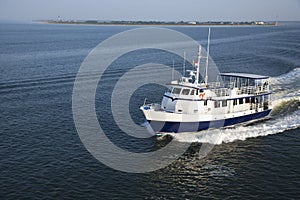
{"points": [[175, 127]]}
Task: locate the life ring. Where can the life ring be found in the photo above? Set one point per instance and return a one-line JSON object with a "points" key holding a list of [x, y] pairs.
{"points": [[201, 95]]}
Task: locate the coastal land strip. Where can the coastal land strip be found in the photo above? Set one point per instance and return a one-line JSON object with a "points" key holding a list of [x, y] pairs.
{"points": [[161, 23]]}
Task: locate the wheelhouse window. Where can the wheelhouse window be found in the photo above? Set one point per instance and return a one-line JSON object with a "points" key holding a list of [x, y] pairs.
{"points": [[176, 90], [185, 92]]}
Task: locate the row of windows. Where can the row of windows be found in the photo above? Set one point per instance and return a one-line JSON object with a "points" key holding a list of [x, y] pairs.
{"points": [[222, 103], [240, 101], [243, 100], [186, 91]]}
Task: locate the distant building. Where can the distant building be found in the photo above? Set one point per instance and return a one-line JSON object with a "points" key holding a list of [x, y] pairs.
{"points": [[260, 23]]}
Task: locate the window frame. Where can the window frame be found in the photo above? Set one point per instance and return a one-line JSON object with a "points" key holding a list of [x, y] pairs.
{"points": [[184, 90], [176, 89]]}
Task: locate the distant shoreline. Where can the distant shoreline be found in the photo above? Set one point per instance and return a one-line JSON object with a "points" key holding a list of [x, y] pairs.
{"points": [[159, 23]]}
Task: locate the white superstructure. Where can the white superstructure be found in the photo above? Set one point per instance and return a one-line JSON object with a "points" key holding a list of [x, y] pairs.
{"points": [[190, 105]]}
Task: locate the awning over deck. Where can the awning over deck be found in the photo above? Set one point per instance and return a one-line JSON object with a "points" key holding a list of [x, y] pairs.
{"points": [[244, 75]]}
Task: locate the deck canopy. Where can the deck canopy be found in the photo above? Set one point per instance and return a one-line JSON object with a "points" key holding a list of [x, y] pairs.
{"points": [[239, 80], [244, 75]]}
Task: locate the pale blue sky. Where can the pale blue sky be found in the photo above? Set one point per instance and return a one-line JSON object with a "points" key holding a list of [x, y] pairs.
{"points": [[160, 10]]}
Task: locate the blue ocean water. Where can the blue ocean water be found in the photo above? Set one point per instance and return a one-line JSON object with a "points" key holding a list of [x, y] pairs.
{"points": [[43, 157]]}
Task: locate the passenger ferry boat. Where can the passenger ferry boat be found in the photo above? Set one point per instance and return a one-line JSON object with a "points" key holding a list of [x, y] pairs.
{"points": [[192, 105]]}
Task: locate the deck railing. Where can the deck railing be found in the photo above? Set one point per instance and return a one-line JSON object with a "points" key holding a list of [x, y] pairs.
{"points": [[250, 90]]}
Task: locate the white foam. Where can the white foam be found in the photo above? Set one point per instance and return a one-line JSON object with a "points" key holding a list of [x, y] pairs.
{"points": [[287, 78], [286, 87]]}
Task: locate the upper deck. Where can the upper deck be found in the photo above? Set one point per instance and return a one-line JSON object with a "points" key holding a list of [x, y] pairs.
{"points": [[229, 86]]}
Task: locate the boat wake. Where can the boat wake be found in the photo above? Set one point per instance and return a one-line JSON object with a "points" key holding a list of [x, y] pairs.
{"points": [[285, 116]]}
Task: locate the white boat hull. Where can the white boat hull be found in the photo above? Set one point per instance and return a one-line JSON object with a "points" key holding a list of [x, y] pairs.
{"points": [[177, 123]]}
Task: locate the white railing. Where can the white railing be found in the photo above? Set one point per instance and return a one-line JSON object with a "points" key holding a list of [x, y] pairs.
{"points": [[252, 90], [221, 92]]}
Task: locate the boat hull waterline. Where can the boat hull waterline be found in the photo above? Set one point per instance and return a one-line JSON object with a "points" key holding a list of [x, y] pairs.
{"points": [[178, 127]]}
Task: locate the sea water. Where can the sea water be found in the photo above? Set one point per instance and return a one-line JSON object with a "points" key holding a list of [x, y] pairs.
{"points": [[41, 153]]}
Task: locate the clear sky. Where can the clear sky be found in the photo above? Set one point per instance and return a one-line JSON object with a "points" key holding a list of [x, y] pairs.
{"points": [[160, 10]]}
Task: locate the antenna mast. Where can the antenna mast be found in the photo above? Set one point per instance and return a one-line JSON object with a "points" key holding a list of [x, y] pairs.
{"points": [[184, 58], [207, 56], [173, 71], [198, 64]]}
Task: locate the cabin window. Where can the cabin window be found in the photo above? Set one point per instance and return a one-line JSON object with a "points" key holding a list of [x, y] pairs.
{"points": [[247, 100], [176, 90], [235, 102], [205, 102], [224, 103], [217, 104], [185, 92], [241, 101], [193, 92], [252, 100]]}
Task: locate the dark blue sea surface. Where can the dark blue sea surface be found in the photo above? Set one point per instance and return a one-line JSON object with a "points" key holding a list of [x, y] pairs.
{"points": [[42, 156]]}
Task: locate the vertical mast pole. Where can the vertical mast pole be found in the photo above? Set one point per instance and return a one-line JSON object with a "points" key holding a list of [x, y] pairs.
{"points": [[198, 65], [184, 57], [207, 56], [173, 71]]}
